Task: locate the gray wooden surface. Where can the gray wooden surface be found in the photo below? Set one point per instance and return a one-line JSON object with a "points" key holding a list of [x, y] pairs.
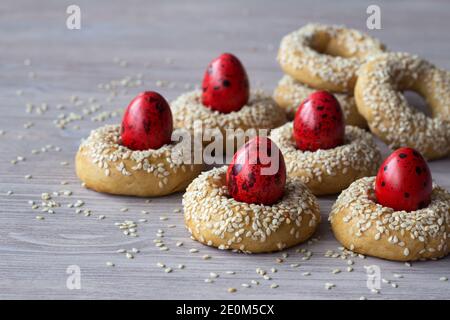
{"points": [[169, 43]]}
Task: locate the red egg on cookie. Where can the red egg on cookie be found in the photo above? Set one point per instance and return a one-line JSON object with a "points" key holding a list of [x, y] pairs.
{"points": [[257, 173], [147, 122], [319, 123], [404, 181], [225, 84]]}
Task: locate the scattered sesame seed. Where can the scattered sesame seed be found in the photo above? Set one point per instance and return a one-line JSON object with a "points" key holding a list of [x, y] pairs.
{"points": [[329, 285], [231, 290], [336, 271]]}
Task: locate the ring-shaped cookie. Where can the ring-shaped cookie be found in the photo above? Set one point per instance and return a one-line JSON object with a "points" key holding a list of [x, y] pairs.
{"points": [[365, 227], [289, 94], [329, 171], [261, 112], [380, 100], [326, 57], [104, 165], [216, 219]]}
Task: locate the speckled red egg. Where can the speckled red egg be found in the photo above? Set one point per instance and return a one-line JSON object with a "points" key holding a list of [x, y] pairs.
{"points": [[147, 122], [225, 84], [404, 181], [319, 123], [257, 173]]}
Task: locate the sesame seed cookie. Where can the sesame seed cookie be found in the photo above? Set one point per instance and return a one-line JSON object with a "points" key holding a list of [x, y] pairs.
{"points": [[329, 171], [380, 101], [216, 219], [289, 94], [104, 165], [261, 112], [326, 57], [363, 226]]}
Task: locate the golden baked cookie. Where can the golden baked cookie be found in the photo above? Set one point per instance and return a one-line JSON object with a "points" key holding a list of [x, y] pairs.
{"points": [[289, 94], [261, 112], [326, 56], [380, 101], [104, 165], [363, 226], [216, 219], [329, 171]]}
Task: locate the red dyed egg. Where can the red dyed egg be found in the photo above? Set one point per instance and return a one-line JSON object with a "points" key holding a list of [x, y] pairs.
{"points": [[147, 122], [319, 123], [257, 173], [404, 181], [225, 84]]}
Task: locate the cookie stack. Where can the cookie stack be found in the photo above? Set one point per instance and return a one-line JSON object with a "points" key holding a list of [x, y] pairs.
{"points": [[322, 57]]}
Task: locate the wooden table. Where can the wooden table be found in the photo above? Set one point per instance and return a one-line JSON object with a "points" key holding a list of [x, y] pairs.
{"points": [[166, 44]]}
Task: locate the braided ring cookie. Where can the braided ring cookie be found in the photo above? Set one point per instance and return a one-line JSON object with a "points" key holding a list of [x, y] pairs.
{"points": [[326, 57], [289, 94], [363, 226], [329, 171], [216, 219], [380, 101], [261, 112], [104, 165]]}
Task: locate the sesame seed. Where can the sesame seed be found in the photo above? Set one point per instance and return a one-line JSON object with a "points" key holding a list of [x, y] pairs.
{"points": [[231, 290], [329, 285], [129, 255], [336, 271]]}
